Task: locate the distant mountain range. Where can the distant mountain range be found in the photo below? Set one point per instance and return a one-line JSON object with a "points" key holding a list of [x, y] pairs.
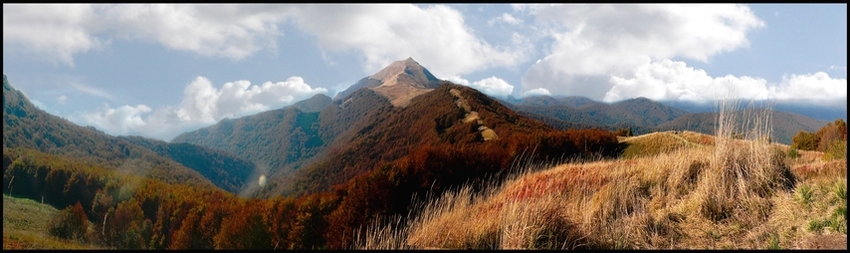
{"points": [[643, 115], [818, 112]]}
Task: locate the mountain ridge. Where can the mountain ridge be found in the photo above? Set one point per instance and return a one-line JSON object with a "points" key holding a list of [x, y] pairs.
{"points": [[644, 115]]}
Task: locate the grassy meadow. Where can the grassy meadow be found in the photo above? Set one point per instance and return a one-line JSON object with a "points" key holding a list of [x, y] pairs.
{"points": [[669, 190], [25, 225]]}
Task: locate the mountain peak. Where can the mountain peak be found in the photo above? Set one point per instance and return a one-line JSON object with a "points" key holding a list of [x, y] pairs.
{"points": [[390, 75], [399, 82]]}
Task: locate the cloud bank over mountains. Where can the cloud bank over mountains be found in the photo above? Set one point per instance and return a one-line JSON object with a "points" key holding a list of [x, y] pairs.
{"points": [[203, 104]]}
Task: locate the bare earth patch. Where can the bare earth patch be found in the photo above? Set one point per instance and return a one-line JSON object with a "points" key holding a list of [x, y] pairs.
{"points": [[825, 242]]}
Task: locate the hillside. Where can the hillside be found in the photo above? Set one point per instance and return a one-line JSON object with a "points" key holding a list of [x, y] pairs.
{"points": [[313, 104], [25, 225], [275, 140], [26, 126], [434, 118], [281, 141], [689, 191], [564, 124], [225, 170], [354, 133]]}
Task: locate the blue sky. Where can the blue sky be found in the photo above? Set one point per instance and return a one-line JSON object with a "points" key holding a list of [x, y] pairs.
{"points": [[160, 70]]}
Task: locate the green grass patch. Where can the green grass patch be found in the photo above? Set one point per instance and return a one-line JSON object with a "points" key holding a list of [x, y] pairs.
{"points": [[25, 223], [773, 241], [839, 190], [804, 194]]}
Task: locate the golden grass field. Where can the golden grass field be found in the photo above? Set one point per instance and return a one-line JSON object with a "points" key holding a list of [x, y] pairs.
{"points": [[670, 190]]}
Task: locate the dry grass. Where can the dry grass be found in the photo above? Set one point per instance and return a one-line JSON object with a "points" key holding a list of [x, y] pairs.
{"points": [[735, 190], [655, 143]]}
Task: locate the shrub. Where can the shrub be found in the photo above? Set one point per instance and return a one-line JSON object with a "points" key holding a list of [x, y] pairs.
{"points": [[70, 223], [793, 153], [805, 141], [837, 149]]}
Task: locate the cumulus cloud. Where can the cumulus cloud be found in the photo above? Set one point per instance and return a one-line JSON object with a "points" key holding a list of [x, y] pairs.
{"points": [[50, 31], [674, 80], [492, 86], [591, 43], [62, 99], [435, 36], [122, 119], [202, 104], [817, 86], [61, 31], [232, 31]]}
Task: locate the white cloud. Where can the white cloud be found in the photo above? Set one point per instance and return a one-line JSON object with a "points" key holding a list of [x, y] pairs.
{"points": [[674, 80], [232, 31], [536, 92], [203, 104], [817, 86], [122, 119], [62, 99], [50, 31], [594, 42], [436, 36], [505, 18], [61, 31], [492, 86]]}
